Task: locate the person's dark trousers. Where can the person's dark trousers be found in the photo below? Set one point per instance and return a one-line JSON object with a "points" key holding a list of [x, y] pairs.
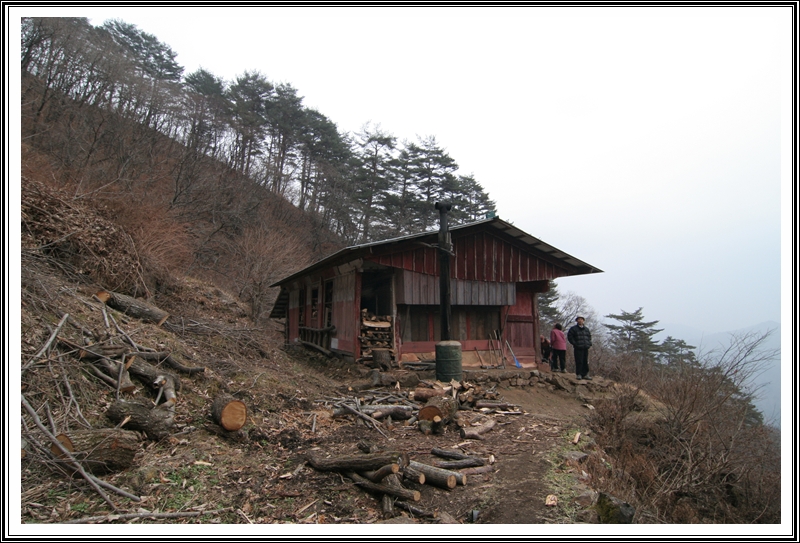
{"points": [[581, 362], [559, 357]]}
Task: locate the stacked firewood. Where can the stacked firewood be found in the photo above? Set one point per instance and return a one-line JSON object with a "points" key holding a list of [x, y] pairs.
{"points": [[392, 475], [376, 334]]}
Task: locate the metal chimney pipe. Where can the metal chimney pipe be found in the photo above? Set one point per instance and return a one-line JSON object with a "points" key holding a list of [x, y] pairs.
{"points": [[445, 250]]}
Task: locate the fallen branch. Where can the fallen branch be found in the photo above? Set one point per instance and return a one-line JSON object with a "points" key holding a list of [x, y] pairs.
{"points": [[129, 516], [403, 493], [48, 343]]}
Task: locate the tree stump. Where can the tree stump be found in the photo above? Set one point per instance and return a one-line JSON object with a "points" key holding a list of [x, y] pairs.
{"points": [[229, 412], [382, 358], [103, 450]]}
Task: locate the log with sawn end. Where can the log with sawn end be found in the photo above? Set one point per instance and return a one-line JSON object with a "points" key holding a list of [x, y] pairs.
{"points": [[360, 462], [133, 307], [397, 412], [380, 474], [229, 412], [100, 450], [442, 478], [449, 453]]}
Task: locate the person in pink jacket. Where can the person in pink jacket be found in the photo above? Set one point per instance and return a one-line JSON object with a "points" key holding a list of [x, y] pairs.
{"points": [[558, 346]]}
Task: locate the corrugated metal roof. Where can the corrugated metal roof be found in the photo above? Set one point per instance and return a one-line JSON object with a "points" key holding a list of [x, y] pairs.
{"points": [[355, 251]]}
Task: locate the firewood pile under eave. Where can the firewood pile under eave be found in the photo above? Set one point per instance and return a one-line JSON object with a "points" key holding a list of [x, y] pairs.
{"points": [[376, 335]]}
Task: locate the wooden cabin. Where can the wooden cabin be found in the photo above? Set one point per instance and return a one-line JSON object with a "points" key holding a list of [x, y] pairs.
{"points": [[386, 295]]}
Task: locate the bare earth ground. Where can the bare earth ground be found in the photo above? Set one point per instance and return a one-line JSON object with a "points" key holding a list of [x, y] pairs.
{"points": [[259, 475]]}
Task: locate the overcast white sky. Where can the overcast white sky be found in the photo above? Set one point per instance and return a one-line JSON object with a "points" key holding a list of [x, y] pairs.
{"points": [[648, 142]]}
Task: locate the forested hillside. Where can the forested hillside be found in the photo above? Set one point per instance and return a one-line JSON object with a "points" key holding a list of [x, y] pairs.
{"points": [[360, 186]]}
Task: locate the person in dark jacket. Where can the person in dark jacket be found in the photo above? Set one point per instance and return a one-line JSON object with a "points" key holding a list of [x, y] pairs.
{"points": [[581, 339]]}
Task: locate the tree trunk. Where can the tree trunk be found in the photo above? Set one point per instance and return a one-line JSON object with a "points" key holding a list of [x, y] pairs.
{"points": [[383, 358], [100, 451], [449, 453], [442, 478], [229, 412], [479, 470], [155, 422], [361, 462], [133, 307]]}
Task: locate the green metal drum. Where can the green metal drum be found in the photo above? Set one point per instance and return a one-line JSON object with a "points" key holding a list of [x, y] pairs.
{"points": [[448, 361]]}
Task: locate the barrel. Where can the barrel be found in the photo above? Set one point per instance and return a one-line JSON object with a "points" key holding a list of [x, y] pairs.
{"points": [[448, 361]]}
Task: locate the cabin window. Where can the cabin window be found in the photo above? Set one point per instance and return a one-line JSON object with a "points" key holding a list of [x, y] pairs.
{"points": [[301, 309], [328, 309], [314, 307]]}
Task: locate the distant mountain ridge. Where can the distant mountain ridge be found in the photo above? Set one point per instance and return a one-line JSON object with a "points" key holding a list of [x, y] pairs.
{"points": [[768, 381]]}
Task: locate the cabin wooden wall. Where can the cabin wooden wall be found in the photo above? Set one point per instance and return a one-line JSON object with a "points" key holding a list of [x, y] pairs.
{"points": [[479, 256]]}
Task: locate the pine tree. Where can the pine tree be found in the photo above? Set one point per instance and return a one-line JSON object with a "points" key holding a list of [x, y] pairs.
{"points": [[633, 334]]}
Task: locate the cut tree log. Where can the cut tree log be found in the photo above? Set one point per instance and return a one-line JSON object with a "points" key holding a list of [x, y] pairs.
{"points": [[494, 405], [378, 475], [442, 478], [156, 423], [444, 407], [102, 450], [449, 453], [425, 394], [229, 412], [476, 432], [133, 307], [478, 470], [413, 475], [403, 493], [361, 462], [383, 358], [471, 462]]}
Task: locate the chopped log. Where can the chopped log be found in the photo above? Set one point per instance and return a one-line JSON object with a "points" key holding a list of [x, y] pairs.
{"points": [[361, 462], [449, 453], [383, 357], [387, 506], [413, 475], [436, 476], [476, 432], [471, 462], [444, 407], [133, 307], [376, 324], [425, 426], [229, 412], [380, 474], [478, 470], [425, 394], [154, 422], [384, 489], [102, 450]]}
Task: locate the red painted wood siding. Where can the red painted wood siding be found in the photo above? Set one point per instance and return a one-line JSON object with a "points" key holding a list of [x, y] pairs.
{"points": [[479, 256], [345, 318]]}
